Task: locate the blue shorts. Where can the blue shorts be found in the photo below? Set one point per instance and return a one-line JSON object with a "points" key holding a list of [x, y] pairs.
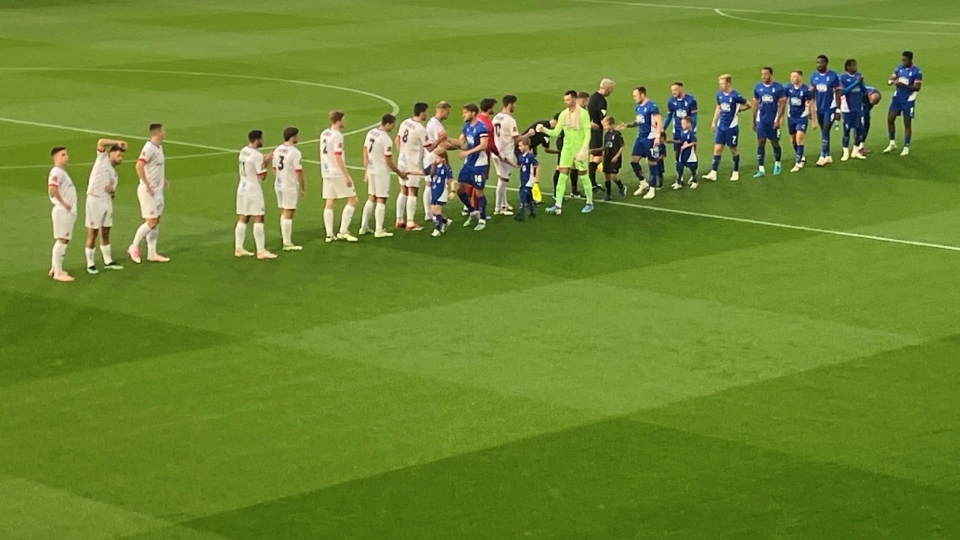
{"points": [[798, 125], [642, 147], [899, 106], [826, 119], [473, 175], [853, 120], [767, 131], [438, 193], [676, 148], [728, 137]]}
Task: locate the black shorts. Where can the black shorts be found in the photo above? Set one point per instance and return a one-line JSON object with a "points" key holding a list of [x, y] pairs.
{"points": [[596, 141], [612, 167]]}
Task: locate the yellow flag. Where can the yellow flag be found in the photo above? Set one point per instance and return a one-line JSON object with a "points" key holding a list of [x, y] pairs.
{"points": [[537, 196]]}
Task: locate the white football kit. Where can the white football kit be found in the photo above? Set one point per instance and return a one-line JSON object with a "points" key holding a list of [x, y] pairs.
{"points": [[379, 148], [99, 207], [334, 182], [287, 162], [63, 218], [151, 207], [413, 139], [253, 169], [504, 137]]}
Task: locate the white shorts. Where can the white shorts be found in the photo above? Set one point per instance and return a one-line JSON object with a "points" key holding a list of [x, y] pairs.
{"points": [[335, 187], [287, 199], [99, 212], [151, 207], [504, 169], [250, 205], [63, 221], [379, 185], [410, 164]]}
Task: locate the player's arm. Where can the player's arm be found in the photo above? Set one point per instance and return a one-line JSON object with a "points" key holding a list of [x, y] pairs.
{"points": [[103, 144], [716, 118], [781, 110], [812, 107], [142, 175], [753, 117], [366, 162], [744, 105], [393, 167], [585, 129], [535, 173], [694, 114], [481, 147], [619, 153], [837, 92], [298, 169], [54, 189], [338, 157], [657, 126]]}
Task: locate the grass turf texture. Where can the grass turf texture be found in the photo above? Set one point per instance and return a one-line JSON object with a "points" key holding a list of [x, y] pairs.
{"points": [[629, 374]]}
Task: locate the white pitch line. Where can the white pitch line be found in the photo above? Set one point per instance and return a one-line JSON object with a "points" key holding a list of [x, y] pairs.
{"points": [[47, 165], [617, 203], [783, 13], [719, 12]]}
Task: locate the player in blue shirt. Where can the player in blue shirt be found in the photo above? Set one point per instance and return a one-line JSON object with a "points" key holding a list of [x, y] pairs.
{"points": [[473, 151], [680, 105], [825, 84], [438, 175], [800, 113], [726, 125], [648, 122], [907, 78], [687, 152], [769, 100], [529, 175], [852, 91], [870, 100]]}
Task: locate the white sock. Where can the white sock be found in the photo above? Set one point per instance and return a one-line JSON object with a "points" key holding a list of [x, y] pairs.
{"points": [[401, 206], [286, 231], [56, 257], [259, 237], [381, 214], [90, 253], [365, 215], [107, 256], [411, 209], [328, 222], [152, 241], [346, 218], [142, 232], [426, 204], [239, 235], [501, 194]]}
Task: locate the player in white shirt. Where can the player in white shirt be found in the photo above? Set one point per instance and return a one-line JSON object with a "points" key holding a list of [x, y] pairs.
{"points": [[411, 142], [505, 137], [436, 138], [250, 203], [153, 181], [377, 164], [63, 195], [337, 183], [288, 170], [101, 189]]}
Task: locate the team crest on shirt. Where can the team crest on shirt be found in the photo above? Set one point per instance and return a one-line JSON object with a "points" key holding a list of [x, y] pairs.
{"points": [[603, 112], [470, 140], [796, 102], [904, 80], [641, 119], [681, 113], [821, 87], [767, 98], [725, 107]]}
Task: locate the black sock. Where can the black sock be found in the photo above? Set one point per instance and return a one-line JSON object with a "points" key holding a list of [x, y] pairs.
{"points": [[575, 181], [606, 185], [593, 174], [619, 183], [556, 178]]}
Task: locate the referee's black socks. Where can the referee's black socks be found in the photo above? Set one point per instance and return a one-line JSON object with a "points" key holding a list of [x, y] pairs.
{"points": [[593, 175]]}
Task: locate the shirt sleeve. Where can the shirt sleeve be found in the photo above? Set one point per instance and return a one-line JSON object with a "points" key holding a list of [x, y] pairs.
{"points": [[919, 77], [53, 180], [147, 153], [262, 167], [693, 106], [298, 162]]}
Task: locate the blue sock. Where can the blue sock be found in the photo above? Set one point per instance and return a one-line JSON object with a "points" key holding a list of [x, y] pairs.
{"points": [[465, 199], [438, 221], [893, 134], [680, 172], [482, 203], [693, 179], [777, 153], [716, 164], [846, 137], [761, 154], [799, 153], [906, 140], [825, 143], [637, 171], [736, 163]]}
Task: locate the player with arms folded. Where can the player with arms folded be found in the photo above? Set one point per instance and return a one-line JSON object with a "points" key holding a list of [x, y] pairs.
{"points": [[63, 196], [908, 79], [726, 125], [151, 170], [337, 183], [101, 189], [769, 101]]}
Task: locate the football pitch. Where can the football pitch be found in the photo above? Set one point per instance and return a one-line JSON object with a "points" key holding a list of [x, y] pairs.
{"points": [[771, 358]]}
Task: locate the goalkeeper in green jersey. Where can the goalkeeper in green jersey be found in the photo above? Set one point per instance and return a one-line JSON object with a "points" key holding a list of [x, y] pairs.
{"points": [[574, 123]]}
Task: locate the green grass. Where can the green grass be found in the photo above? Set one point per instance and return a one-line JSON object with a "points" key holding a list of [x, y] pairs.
{"points": [[637, 373]]}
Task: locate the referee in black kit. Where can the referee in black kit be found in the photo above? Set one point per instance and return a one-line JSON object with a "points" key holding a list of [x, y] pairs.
{"points": [[597, 109]]}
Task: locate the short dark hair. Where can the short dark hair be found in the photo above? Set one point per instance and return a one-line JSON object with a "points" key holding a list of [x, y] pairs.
{"points": [[571, 93], [336, 116], [155, 128], [116, 148], [908, 54], [509, 99], [57, 149], [825, 59], [583, 95], [609, 120], [849, 62], [420, 108], [290, 133], [524, 140], [641, 89], [678, 83], [388, 119], [254, 135], [487, 104], [798, 72], [767, 68], [472, 107]]}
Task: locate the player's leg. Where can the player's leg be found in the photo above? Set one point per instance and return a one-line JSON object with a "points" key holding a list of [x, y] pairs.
{"points": [[654, 177], [464, 190], [607, 183], [907, 128], [63, 222], [856, 121], [641, 150], [826, 123], [719, 139], [330, 234], [239, 235], [566, 162], [584, 177], [379, 216], [761, 152], [413, 192], [733, 141], [892, 115], [105, 250], [479, 189], [866, 132], [401, 223], [799, 135], [367, 213], [777, 150], [260, 238], [286, 225], [89, 248], [153, 237]]}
